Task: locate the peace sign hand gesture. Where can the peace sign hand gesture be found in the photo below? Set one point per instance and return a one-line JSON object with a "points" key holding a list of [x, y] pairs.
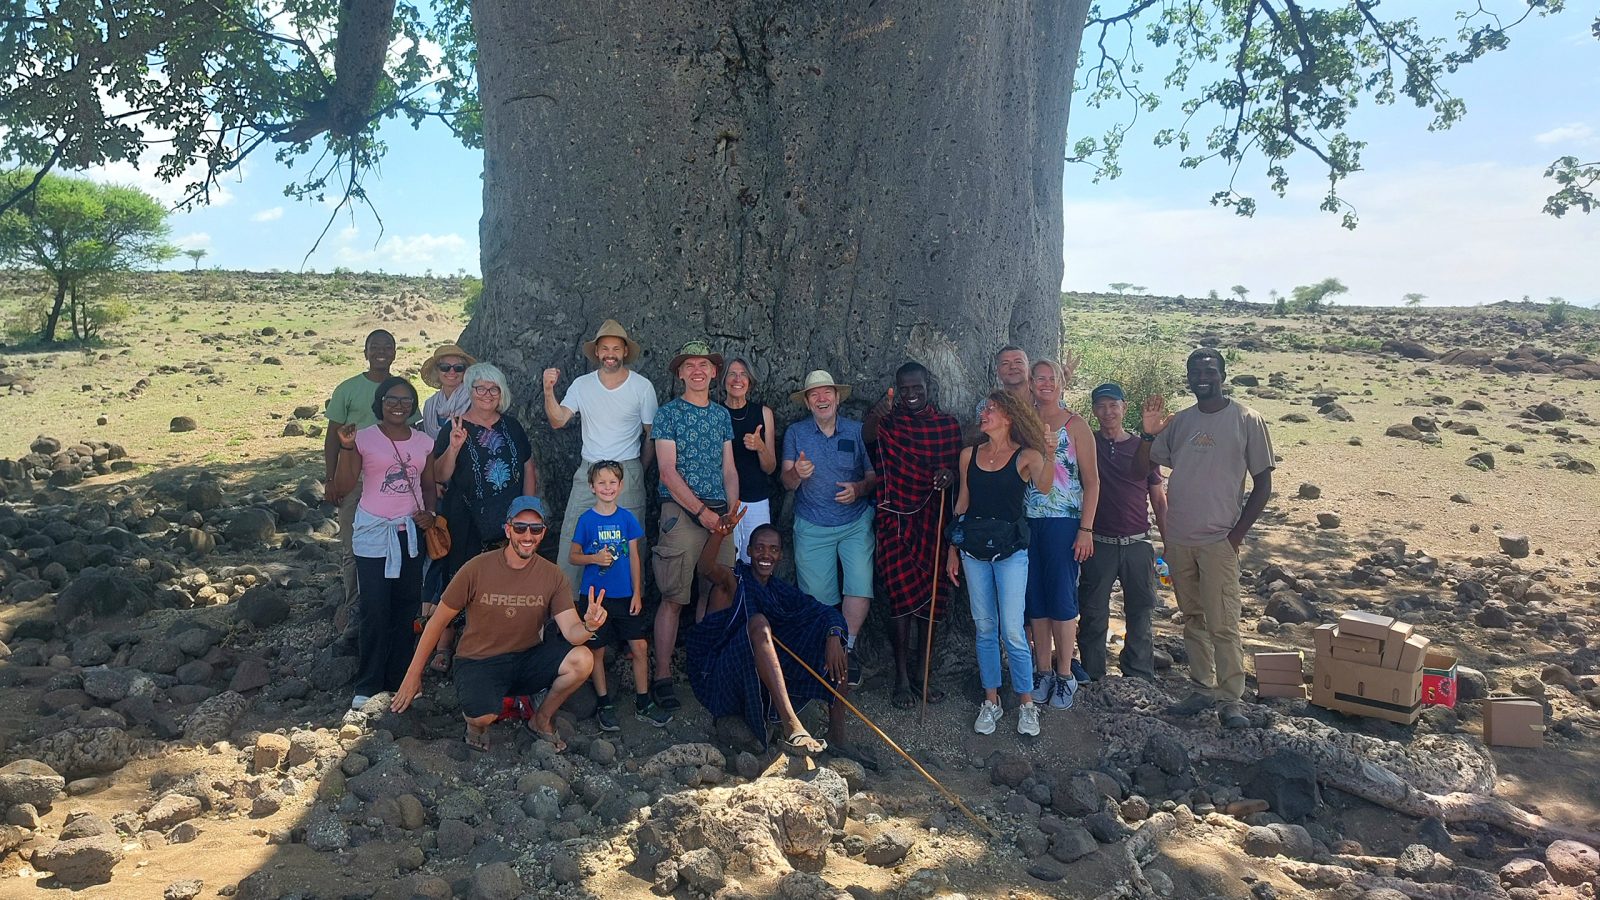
{"points": [[729, 522], [458, 434], [594, 615]]}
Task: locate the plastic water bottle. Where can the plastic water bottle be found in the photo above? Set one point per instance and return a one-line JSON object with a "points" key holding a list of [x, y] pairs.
{"points": [[1163, 572]]}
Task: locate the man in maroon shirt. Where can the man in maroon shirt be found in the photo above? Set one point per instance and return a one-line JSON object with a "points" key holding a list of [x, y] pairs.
{"points": [[1123, 548]]}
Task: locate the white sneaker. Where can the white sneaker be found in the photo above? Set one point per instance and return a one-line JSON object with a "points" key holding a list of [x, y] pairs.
{"points": [[1028, 719], [989, 715]]}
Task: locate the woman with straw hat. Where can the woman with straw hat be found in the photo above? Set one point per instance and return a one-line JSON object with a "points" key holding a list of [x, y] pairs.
{"points": [[444, 370]]}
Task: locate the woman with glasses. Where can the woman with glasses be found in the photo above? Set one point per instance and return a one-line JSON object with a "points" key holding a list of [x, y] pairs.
{"points": [[485, 461], [395, 465], [754, 451], [446, 370]]}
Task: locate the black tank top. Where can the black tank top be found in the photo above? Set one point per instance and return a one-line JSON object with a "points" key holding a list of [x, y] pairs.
{"points": [[995, 495], [754, 484]]}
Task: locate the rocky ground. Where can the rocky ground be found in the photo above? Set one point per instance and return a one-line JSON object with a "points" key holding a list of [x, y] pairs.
{"points": [[173, 721]]}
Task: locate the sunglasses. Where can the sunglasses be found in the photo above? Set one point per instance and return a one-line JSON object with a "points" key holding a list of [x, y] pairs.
{"points": [[451, 367], [398, 401], [527, 527]]}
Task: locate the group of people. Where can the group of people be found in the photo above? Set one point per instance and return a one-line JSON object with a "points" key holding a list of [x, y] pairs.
{"points": [[1036, 513]]}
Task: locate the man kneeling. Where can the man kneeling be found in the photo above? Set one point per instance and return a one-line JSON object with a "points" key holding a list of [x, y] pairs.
{"points": [[735, 666], [523, 633]]}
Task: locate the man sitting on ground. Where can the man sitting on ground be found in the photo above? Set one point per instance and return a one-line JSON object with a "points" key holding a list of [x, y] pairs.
{"points": [[523, 632], [735, 665]]}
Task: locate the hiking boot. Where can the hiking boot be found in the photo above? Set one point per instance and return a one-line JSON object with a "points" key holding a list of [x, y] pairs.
{"points": [[1028, 719], [1192, 705], [855, 669], [606, 715], [1231, 715], [662, 692], [1080, 673], [653, 713], [1044, 683], [1066, 690], [988, 716]]}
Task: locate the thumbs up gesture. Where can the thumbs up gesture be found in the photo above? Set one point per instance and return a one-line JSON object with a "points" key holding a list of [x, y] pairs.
{"points": [[594, 615], [803, 467], [756, 440], [884, 406]]}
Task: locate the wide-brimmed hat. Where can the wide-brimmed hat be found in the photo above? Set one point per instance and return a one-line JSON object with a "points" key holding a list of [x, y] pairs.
{"points": [[612, 328], [819, 378], [430, 369], [692, 350]]}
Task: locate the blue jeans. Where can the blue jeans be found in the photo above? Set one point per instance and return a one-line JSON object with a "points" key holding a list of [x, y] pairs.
{"points": [[998, 592]]}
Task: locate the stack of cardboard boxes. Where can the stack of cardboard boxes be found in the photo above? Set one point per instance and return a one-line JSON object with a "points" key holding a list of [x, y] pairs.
{"points": [[1369, 665], [1281, 675]]}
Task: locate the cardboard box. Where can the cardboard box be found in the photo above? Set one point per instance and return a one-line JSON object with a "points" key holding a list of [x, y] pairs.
{"points": [[1280, 676], [1293, 660], [1394, 644], [1271, 689], [1364, 690], [1439, 680], [1362, 657], [1322, 639], [1413, 653], [1356, 643], [1356, 623], [1513, 722]]}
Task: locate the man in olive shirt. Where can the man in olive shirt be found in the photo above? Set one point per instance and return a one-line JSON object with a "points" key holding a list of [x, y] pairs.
{"points": [[524, 634], [351, 404], [1210, 448]]}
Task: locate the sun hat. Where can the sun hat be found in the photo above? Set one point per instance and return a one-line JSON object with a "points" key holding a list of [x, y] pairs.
{"points": [[820, 378], [1110, 389], [430, 369], [694, 349], [524, 504], [612, 328]]}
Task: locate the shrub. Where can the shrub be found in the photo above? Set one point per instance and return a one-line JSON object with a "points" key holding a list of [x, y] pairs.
{"points": [[1146, 362], [1557, 313], [473, 288]]}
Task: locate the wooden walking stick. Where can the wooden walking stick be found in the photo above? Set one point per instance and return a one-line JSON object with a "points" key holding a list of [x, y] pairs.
{"points": [[933, 608], [886, 739]]}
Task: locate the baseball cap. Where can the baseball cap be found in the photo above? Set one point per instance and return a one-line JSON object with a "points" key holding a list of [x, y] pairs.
{"points": [[523, 504], [1109, 390]]}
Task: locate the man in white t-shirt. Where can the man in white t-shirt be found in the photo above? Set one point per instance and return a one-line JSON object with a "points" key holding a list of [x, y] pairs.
{"points": [[616, 407]]}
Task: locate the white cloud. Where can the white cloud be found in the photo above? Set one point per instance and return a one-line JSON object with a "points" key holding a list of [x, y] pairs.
{"points": [[409, 254], [1463, 235], [268, 215], [198, 240], [1576, 133]]}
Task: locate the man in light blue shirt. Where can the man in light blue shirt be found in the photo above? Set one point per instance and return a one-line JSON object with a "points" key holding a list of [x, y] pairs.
{"points": [[825, 463]]}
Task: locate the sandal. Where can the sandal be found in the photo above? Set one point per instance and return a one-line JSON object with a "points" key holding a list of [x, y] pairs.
{"points": [[904, 698], [803, 744], [477, 738], [935, 696], [553, 736], [441, 660]]}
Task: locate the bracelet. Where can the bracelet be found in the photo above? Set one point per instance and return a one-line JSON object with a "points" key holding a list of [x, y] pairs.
{"points": [[701, 512], [1147, 438], [1086, 530]]}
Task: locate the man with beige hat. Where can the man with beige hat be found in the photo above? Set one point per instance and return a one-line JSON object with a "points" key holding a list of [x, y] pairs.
{"points": [[616, 407], [825, 463]]}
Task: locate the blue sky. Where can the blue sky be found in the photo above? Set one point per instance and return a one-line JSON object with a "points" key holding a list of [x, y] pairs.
{"points": [[1454, 215]]}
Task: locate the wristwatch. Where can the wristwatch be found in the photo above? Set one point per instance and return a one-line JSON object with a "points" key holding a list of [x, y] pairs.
{"points": [[1147, 438]]}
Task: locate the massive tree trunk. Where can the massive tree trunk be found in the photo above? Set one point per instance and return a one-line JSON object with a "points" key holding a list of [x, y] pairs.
{"points": [[809, 185]]}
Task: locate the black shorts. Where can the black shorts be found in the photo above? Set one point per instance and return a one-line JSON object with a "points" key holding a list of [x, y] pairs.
{"points": [[481, 684], [620, 627]]}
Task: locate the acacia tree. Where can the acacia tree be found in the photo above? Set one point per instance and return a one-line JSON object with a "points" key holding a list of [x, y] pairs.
{"points": [[73, 230], [807, 184], [1314, 297]]}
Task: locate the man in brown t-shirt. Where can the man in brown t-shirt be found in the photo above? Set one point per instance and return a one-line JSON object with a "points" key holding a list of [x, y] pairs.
{"points": [[523, 634]]}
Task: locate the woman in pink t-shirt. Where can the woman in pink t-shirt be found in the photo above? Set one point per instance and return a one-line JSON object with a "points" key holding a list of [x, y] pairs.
{"points": [[395, 462]]}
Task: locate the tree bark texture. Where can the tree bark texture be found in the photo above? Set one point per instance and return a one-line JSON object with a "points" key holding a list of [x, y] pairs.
{"points": [[835, 185]]}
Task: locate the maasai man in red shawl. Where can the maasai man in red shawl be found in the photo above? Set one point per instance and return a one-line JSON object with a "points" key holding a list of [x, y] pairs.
{"points": [[917, 451]]}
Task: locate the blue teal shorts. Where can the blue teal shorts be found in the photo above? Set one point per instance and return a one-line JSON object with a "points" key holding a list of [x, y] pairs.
{"points": [[822, 551]]}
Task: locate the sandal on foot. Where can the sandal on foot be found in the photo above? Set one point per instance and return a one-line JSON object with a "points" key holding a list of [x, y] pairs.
{"points": [[477, 739], [935, 696], [553, 736], [803, 744], [904, 698], [441, 661]]}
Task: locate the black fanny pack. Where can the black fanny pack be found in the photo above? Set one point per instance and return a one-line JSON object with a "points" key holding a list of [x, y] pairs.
{"points": [[989, 539]]}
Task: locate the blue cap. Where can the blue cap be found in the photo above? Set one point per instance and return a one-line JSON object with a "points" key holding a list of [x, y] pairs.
{"points": [[1110, 390], [523, 504]]}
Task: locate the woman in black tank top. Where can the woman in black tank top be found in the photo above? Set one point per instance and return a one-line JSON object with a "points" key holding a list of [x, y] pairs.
{"points": [[1017, 450], [754, 454]]}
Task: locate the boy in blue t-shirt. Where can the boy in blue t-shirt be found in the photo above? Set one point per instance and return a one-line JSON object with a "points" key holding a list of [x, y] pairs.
{"points": [[606, 544]]}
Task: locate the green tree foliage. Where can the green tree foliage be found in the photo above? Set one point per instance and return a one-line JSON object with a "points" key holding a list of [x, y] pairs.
{"points": [[1147, 360], [1415, 299], [199, 87], [1240, 291], [1313, 298], [1557, 312], [472, 291], [196, 254], [75, 232]]}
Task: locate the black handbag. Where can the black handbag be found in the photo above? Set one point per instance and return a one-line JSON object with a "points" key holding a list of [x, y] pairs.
{"points": [[989, 539]]}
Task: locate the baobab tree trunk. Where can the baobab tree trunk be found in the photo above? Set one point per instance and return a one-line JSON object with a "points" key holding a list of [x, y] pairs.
{"points": [[809, 185]]}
